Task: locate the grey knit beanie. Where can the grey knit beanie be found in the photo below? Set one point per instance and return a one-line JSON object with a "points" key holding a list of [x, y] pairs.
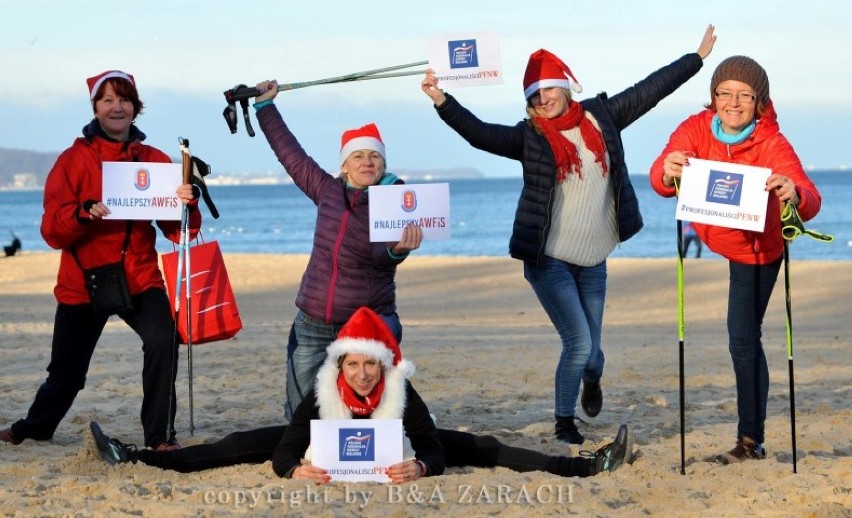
{"points": [[745, 70]]}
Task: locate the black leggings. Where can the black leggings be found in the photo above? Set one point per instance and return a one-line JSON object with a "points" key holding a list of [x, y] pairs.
{"points": [[460, 449], [76, 331]]}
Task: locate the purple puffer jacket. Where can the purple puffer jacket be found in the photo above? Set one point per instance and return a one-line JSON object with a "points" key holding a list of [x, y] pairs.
{"points": [[345, 270]]}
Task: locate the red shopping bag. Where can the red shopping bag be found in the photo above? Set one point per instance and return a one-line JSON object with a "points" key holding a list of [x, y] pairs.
{"points": [[214, 309]]}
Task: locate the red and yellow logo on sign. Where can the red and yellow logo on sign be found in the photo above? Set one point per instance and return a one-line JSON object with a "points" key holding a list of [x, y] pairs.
{"points": [[409, 201], [143, 179]]}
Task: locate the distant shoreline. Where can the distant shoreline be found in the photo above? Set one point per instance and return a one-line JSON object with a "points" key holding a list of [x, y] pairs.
{"points": [[410, 176]]}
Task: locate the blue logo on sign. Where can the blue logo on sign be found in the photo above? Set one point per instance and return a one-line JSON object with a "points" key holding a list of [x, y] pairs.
{"points": [[463, 54], [724, 187], [356, 444]]}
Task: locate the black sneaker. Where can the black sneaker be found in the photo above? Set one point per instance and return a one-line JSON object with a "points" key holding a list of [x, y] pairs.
{"points": [[566, 430], [614, 454], [592, 398], [112, 450]]}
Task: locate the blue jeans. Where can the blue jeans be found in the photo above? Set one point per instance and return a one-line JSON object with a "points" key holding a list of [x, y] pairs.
{"points": [[748, 297], [306, 352], [573, 297]]}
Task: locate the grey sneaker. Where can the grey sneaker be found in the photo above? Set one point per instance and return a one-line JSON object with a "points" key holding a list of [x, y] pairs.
{"points": [[112, 450], [614, 454]]}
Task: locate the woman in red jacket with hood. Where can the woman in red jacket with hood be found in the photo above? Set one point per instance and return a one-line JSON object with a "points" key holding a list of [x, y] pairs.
{"points": [[739, 125], [73, 222]]}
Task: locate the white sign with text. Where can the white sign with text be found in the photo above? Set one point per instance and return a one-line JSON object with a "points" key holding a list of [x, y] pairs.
{"points": [[723, 194], [392, 207], [466, 59], [356, 450], [142, 190]]}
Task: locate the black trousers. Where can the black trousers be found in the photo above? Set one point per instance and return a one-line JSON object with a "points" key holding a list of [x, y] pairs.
{"points": [[76, 331], [460, 449]]}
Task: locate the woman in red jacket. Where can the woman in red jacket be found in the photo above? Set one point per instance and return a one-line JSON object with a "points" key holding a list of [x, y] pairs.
{"points": [[739, 125], [73, 222]]}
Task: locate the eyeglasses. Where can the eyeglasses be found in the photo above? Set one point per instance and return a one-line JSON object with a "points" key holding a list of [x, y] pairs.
{"points": [[743, 97]]}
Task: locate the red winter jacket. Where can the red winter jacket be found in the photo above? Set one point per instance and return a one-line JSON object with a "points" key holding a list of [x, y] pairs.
{"points": [[76, 178], [765, 147]]}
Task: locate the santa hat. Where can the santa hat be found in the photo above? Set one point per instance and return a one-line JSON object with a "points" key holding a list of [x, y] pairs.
{"points": [[366, 333], [96, 81], [365, 137], [545, 70]]}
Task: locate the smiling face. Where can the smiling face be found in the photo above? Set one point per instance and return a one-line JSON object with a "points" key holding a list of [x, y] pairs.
{"points": [[114, 113], [738, 111], [363, 168], [550, 102], [361, 372]]}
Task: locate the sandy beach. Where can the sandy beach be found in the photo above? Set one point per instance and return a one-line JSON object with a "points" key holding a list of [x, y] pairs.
{"points": [[485, 355]]}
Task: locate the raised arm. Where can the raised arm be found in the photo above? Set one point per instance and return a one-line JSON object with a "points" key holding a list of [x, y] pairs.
{"points": [[429, 85], [707, 42]]}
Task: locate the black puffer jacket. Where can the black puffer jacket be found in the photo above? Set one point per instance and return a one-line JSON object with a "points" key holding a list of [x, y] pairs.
{"points": [[522, 143]]}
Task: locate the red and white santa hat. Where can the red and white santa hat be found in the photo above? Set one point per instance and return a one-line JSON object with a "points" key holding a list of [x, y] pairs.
{"points": [[545, 70], [365, 137], [95, 82], [366, 333]]}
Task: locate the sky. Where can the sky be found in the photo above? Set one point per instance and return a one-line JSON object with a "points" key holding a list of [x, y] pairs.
{"points": [[185, 54]]}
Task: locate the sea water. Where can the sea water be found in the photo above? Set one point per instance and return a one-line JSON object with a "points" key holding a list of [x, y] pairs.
{"points": [[280, 219]]}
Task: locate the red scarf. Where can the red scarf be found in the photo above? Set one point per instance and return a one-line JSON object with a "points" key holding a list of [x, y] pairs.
{"points": [[565, 152], [360, 405]]}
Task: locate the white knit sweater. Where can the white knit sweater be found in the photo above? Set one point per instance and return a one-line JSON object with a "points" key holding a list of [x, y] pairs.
{"points": [[583, 230]]}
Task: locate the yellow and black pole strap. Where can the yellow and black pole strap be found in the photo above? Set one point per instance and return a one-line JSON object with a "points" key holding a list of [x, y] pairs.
{"points": [[792, 226]]}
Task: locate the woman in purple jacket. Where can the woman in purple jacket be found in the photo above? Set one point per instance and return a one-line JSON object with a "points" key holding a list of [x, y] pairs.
{"points": [[345, 270]]}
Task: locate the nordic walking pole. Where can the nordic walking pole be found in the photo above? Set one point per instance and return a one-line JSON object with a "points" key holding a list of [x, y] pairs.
{"points": [[680, 334], [789, 305], [242, 93], [184, 257], [184, 222], [239, 93], [791, 228]]}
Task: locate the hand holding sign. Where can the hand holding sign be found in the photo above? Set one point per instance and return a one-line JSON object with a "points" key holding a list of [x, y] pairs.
{"points": [[405, 471], [723, 194], [144, 190], [308, 472], [395, 208], [356, 450]]}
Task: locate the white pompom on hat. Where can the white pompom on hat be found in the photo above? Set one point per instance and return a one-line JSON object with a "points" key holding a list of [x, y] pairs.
{"points": [[365, 137], [366, 333], [545, 70], [95, 82]]}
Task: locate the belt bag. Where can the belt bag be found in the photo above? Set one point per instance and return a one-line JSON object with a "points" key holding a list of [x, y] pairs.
{"points": [[108, 290], [211, 308], [107, 284]]}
